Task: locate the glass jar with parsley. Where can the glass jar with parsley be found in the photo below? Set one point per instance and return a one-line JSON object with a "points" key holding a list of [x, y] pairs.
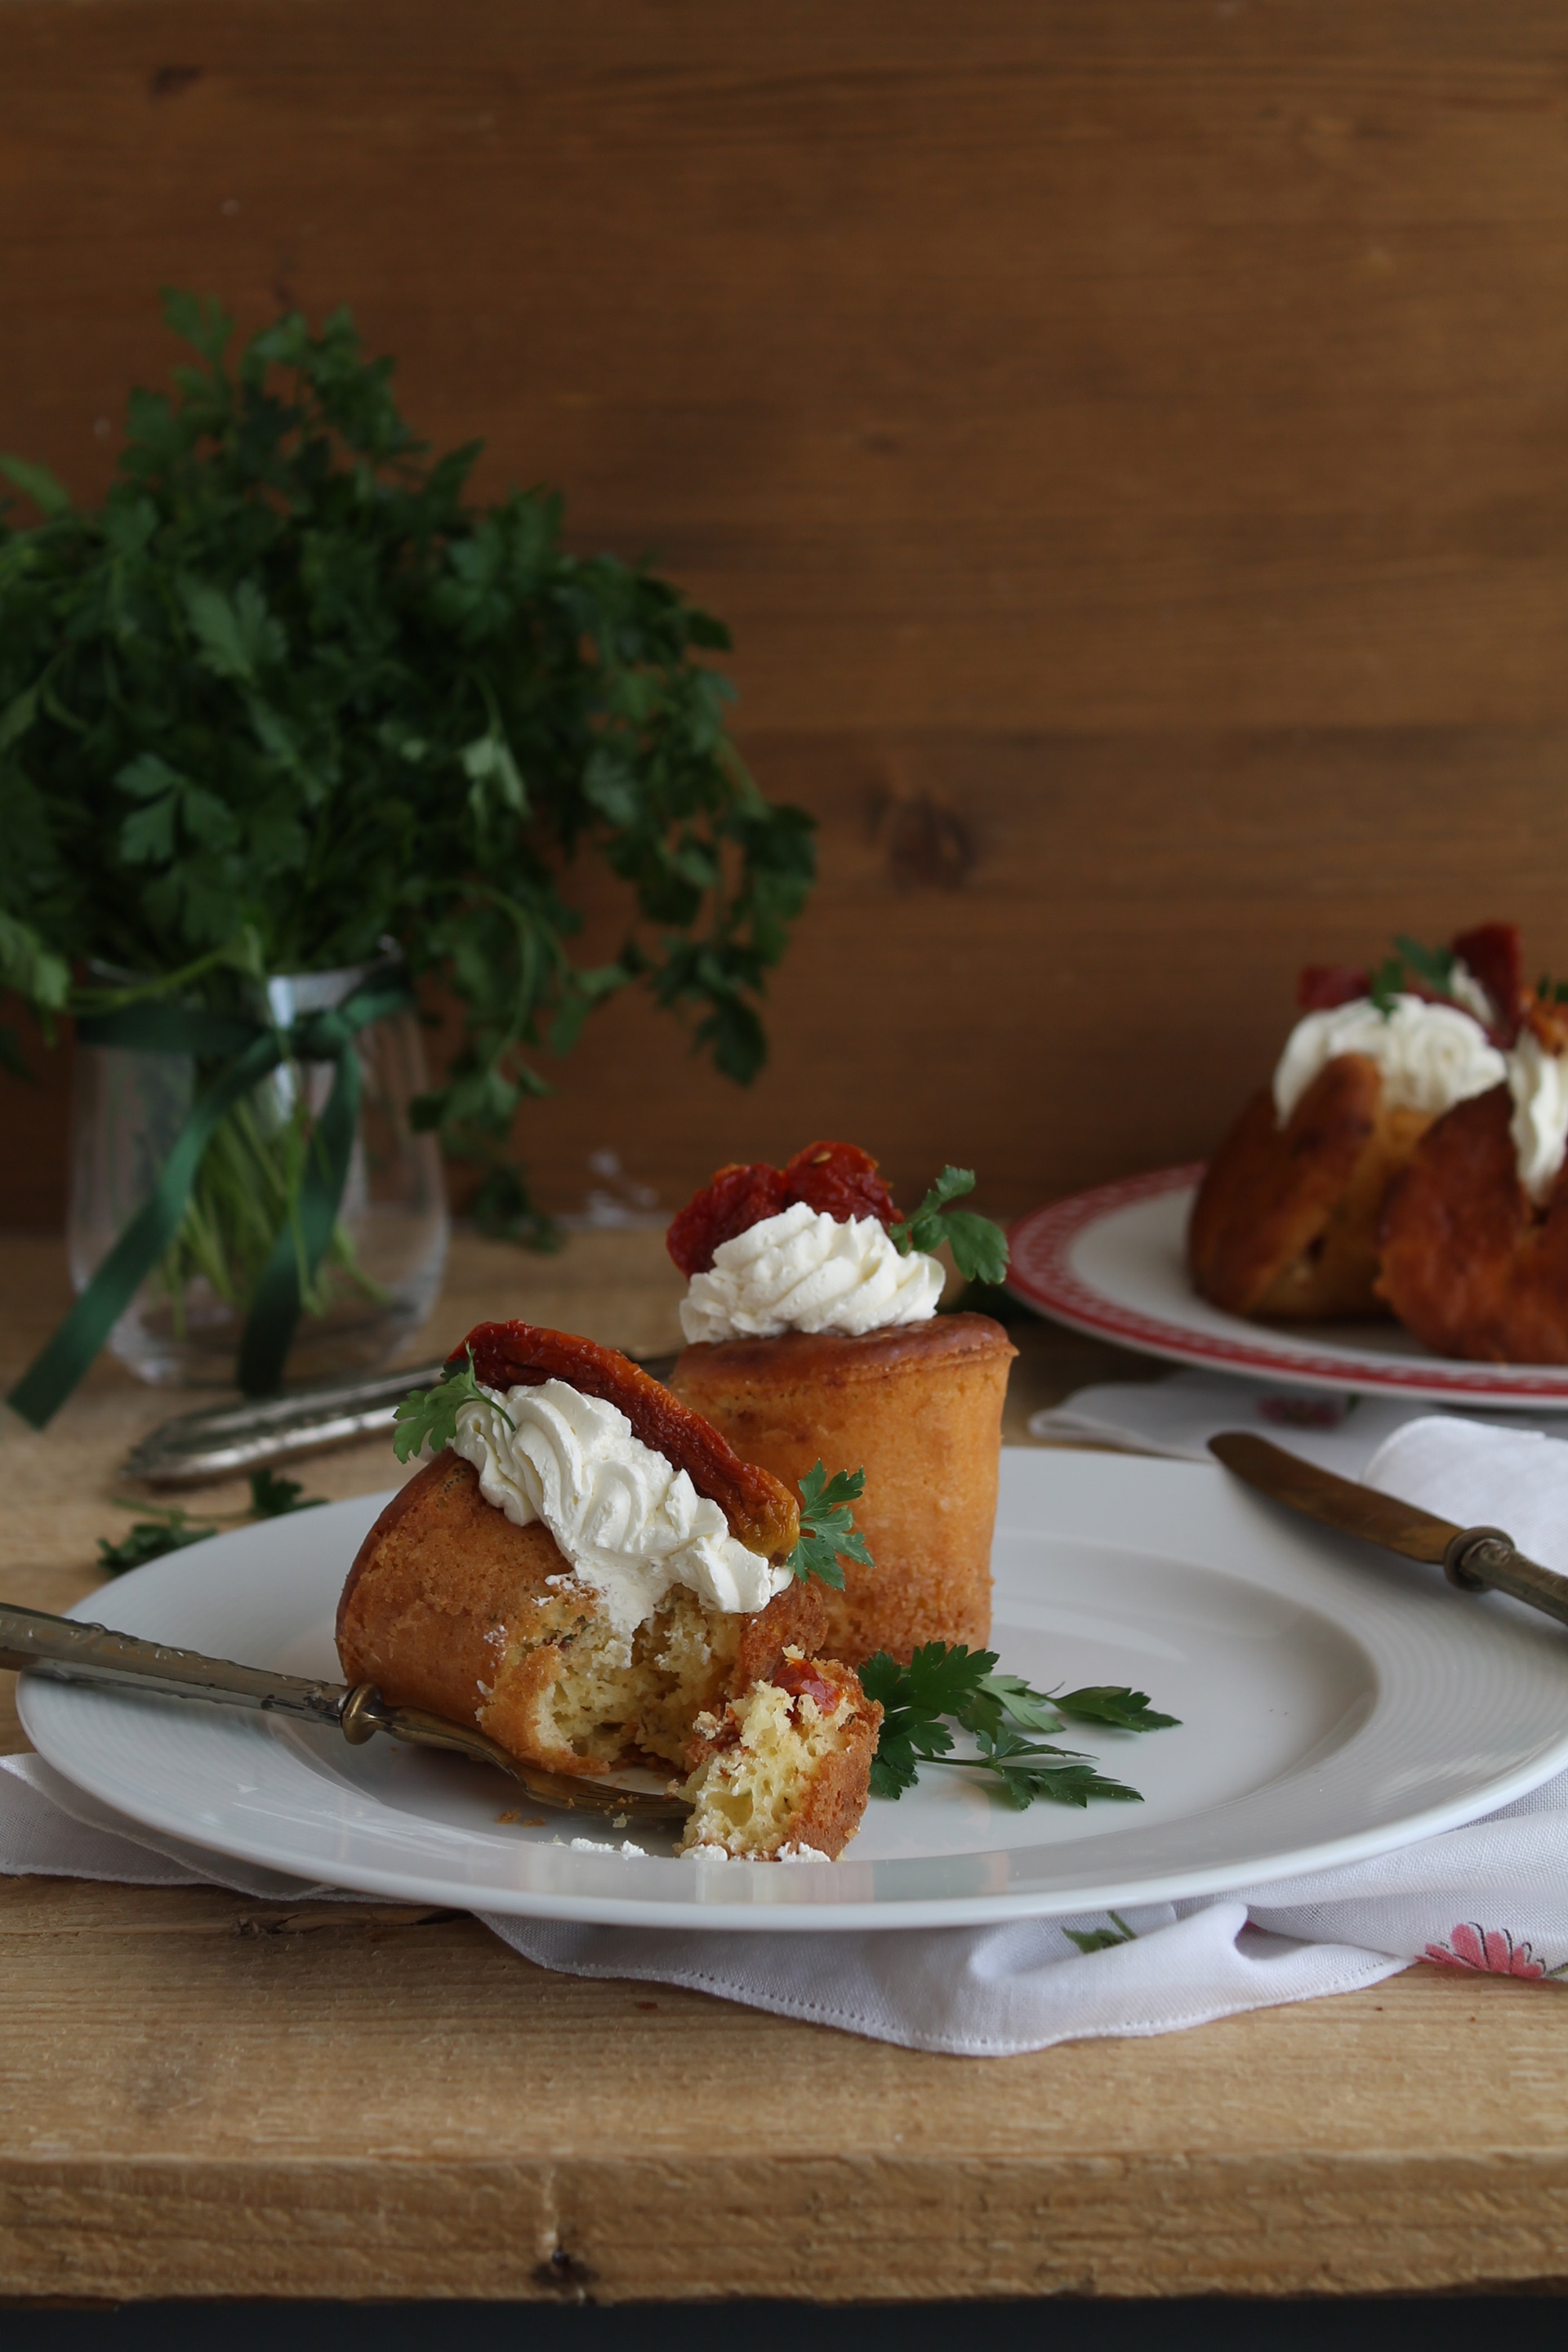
{"points": [[287, 693], [378, 1271]]}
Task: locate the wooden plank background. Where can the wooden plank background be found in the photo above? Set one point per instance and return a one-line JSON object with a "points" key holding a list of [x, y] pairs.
{"points": [[1128, 437]]}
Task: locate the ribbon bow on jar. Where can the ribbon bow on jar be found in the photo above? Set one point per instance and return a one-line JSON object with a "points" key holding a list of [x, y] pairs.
{"points": [[249, 1050]]}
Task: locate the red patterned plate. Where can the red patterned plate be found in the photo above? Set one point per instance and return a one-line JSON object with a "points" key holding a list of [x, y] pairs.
{"points": [[1112, 1261]]}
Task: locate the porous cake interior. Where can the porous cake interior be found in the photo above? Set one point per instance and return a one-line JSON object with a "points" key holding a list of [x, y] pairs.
{"points": [[746, 1796], [607, 1701]]}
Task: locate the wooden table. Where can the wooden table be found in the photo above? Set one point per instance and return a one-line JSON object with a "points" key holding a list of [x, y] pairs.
{"points": [[202, 2095]]}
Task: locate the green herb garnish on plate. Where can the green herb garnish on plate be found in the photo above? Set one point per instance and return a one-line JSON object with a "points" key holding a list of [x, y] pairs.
{"points": [[947, 1683]]}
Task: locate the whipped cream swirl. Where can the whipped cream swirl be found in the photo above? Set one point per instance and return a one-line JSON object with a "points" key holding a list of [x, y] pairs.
{"points": [[1431, 1056], [630, 1523], [805, 1271], [1538, 1082]]}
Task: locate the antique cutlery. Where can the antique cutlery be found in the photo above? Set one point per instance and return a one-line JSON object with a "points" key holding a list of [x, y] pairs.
{"points": [[67, 1650], [1478, 1560]]}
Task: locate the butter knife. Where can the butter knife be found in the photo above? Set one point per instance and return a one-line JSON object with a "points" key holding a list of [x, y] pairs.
{"points": [[1478, 1560], [64, 1649]]}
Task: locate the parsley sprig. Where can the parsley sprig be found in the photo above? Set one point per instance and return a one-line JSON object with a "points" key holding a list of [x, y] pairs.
{"points": [[829, 1535], [979, 1247], [171, 1528], [429, 1416], [1434, 966], [960, 1684]]}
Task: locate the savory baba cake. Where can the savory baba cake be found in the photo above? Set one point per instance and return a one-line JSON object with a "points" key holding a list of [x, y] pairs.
{"points": [[1286, 1220], [590, 1574], [813, 1339], [1475, 1232]]}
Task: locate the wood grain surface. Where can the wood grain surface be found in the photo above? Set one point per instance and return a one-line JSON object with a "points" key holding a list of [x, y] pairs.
{"points": [[206, 2095], [1126, 437]]}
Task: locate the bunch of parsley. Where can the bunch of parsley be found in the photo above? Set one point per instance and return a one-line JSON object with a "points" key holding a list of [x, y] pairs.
{"points": [[290, 692]]}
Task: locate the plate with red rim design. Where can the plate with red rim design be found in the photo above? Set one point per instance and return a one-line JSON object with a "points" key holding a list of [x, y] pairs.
{"points": [[1112, 1261]]}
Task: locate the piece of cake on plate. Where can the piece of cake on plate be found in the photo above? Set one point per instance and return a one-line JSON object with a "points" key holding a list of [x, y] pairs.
{"points": [[813, 1337], [1287, 1218], [1474, 1241], [590, 1573]]}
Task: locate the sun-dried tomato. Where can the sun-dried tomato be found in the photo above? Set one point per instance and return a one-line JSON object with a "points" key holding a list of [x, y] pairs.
{"points": [[737, 1199], [840, 1179], [761, 1510], [1323, 986], [1492, 951], [800, 1678]]}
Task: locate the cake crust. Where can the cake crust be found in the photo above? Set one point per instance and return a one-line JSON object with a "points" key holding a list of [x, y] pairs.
{"points": [[1469, 1264], [836, 1790], [919, 1407], [1286, 1223]]}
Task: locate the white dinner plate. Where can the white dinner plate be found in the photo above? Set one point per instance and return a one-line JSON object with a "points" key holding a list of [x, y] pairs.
{"points": [[1113, 1262], [1334, 1702]]}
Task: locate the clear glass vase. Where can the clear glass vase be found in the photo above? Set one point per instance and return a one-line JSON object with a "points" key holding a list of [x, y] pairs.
{"points": [[381, 1270]]}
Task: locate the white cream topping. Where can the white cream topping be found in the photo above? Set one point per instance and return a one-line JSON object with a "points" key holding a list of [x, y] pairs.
{"points": [[630, 1523], [1538, 1082], [1431, 1056], [805, 1271], [1467, 990]]}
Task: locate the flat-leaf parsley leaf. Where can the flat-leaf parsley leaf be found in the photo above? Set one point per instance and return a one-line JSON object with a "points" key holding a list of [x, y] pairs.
{"points": [[979, 1247], [963, 1685], [828, 1534], [170, 1527], [429, 1416]]}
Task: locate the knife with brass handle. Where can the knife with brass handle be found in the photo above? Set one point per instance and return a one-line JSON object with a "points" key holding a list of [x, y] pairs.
{"points": [[65, 1650], [1478, 1560]]}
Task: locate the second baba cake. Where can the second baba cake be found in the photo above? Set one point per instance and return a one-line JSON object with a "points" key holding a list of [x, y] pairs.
{"points": [[1286, 1223], [812, 1338]]}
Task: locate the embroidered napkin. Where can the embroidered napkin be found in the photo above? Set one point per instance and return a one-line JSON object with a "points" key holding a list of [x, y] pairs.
{"points": [[1491, 1897]]}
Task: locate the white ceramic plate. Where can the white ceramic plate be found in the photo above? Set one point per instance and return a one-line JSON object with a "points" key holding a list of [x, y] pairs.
{"points": [[1113, 1261], [1334, 1702]]}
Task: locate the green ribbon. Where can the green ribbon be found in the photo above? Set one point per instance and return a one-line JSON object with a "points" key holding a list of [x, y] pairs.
{"points": [[250, 1051]]}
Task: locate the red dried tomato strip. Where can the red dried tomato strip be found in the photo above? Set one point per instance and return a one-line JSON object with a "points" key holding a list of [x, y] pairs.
{"points": [[737, 1199], [1493, 952], [762, 1512], [1322, 986], [840, 1179]]}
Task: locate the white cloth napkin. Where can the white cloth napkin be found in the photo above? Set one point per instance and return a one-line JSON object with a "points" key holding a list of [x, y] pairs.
{"points": [[1491, 1897]]}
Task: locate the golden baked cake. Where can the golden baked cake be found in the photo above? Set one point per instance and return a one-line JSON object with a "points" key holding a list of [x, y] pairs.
{"points": [[1286, 1220], [814, 1339], [1475, 1232], [589, 1573]]}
